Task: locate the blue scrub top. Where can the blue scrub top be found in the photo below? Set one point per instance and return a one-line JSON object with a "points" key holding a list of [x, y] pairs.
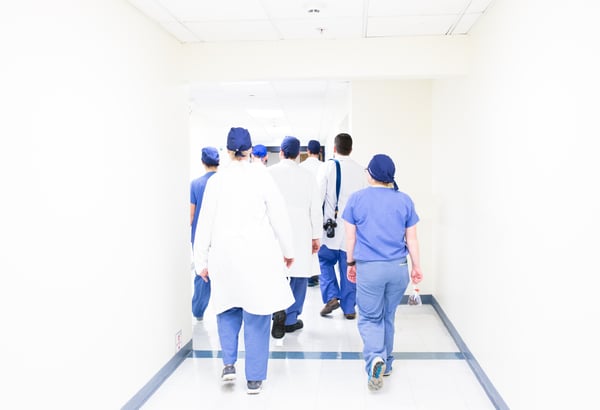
{"points": [[196, 193], [381, 216]]}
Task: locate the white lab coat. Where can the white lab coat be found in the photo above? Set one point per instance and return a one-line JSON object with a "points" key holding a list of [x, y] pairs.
{"points": [[301, 195], [314, 166], [353, 178], [245, 234]]}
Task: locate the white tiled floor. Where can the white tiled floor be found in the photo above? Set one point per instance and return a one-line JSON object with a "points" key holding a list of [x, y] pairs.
{"points": [[313, 383]]}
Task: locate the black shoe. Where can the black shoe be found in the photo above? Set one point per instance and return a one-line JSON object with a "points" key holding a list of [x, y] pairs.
{"points": [[330, 306], [350, 316], [253, 386], [313, 281], [294, 327], [278, 330]]}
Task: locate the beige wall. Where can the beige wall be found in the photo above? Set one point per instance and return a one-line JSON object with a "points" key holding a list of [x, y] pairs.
{"points": [[95, 218], [514, 169], [393, 117]]}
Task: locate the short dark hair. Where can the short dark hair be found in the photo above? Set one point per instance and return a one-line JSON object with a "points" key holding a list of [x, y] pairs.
{"points": [[343, 143]]}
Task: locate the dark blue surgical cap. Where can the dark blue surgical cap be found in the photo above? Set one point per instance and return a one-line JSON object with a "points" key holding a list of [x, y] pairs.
{"points": [[210, 156], [290, 147], [314, 147], [238, 141], [382, 168]]}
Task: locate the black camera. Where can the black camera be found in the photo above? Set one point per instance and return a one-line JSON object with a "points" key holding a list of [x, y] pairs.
{"points": [[329, 227]]}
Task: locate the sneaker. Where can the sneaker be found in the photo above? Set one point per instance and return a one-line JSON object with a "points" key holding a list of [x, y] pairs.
{"points": [[199, 318], [294, 327], [387, 372], [228, 374], [330, 306], [376, 377], [350, 316], [278, 330], [254, 386], [313, 281]]}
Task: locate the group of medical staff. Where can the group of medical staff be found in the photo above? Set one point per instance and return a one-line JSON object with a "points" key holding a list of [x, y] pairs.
{"points": [[259, 233]]}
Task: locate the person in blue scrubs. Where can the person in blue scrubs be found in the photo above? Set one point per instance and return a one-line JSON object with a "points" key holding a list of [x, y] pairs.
{"points": [[210, 160], [380, 233]]}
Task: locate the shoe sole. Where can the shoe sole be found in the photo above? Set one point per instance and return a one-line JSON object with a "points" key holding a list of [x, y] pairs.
{"points": [[376, 378], [228, 377], [253, 391]]}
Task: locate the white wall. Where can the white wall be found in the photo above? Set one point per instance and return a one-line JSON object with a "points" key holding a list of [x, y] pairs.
{"points": [[514, 169], [95, 217], [393, 117]]}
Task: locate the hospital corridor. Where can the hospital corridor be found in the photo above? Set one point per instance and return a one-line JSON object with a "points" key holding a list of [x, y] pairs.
{"points": [[486, 111]]}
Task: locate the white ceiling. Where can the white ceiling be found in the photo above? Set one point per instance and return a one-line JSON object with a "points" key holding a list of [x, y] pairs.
{"points": [[306, 109]]}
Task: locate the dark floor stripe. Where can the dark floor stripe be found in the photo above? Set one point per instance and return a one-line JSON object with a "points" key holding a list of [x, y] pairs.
{"points": [[217, 354]]}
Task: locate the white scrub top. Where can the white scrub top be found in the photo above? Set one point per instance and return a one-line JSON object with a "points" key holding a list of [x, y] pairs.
{"points": [[245, 234], [353, 178]]}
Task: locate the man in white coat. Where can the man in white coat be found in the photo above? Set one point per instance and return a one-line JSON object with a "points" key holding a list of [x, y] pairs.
{"points": [[336, 293], [302, 199], [246, 247], [313, 164]]}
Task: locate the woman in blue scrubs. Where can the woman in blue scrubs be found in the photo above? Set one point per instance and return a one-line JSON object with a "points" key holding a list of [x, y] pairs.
{"points": [[380, 233]]}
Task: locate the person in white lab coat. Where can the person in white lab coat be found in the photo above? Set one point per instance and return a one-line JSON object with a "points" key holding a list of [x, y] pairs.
{"points": [[246, 247], [301, 194], [313, 163]]}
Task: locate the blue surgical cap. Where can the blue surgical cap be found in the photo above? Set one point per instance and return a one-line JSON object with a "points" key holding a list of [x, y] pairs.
{"points": [[238, 140], [210, 156], [382, 168], [314, 147], [290, 147], [259, 151]]}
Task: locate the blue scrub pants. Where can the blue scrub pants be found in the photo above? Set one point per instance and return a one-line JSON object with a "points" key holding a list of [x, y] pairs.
{"points": [[299, 286], [345, 291], [256, 340], [379, 290], [201, 296]]}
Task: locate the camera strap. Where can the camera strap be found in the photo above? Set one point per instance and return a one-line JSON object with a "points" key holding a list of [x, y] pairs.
{"points": [[337, 184]]}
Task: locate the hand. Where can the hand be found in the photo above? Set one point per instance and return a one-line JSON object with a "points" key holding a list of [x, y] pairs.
{"points": [[203, 274], [316, 244], [351, 274], [416, 275], [288, 261]]}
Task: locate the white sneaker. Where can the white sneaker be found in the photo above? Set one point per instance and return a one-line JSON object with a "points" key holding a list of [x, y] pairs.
{"points": [[376, 375]]}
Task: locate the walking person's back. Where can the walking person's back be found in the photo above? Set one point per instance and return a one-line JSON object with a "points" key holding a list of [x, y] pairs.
{"points": [[338, 292]]}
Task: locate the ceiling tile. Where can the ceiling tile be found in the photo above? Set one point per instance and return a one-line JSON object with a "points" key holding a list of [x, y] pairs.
{"points": [[204, 10], [379, 8], [233, 31], [406, 26], [466, 22], [153, 9], [298, 9], [342, 27]]}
